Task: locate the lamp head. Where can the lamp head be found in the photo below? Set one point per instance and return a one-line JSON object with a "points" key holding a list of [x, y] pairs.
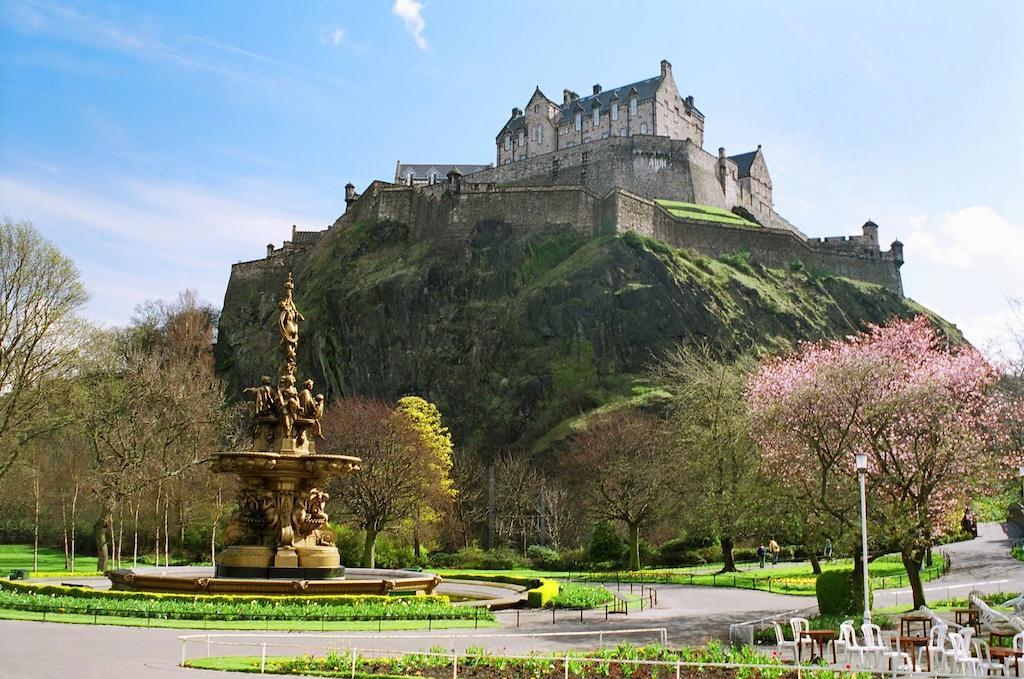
{"points": [[861, 461], [1020, 471]]}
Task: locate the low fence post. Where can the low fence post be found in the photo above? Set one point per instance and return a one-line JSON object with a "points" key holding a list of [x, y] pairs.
{"points": [[353, 662], [455, 665], [552, 614], [566, 666], [263, 658]]}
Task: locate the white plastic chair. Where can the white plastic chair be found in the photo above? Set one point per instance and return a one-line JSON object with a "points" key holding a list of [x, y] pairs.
{"points": [[937, 649], [780, 641], [848, 645], [885, 657], [962, 662], [799, 625], [984, 656]]}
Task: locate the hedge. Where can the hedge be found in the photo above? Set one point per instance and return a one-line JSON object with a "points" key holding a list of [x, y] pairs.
{"points": [[122, 595], [542, 595]]}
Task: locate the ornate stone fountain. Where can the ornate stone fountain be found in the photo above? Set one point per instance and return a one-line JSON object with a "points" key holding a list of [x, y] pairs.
{"points": [[280, 527], [278, 540]]}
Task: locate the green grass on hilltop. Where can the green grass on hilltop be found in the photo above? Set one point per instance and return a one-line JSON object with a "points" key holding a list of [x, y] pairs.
{"points": [[705, 213]]}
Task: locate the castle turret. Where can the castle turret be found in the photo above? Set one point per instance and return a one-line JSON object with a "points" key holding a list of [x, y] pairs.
{"points": [[350, 195], [454, 181], [896, 252], [270, 249], [870, 230]]}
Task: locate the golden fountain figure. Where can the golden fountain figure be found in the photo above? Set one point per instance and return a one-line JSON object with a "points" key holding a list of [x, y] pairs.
{"points": [[280, 528]]}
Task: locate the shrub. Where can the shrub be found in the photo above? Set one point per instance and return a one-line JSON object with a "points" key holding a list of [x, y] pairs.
{"points": [[744, 554], [834, 590], [442, 560], [501, 559], [796, 265], [544, 558], [543, 594], [573, 595], [605, 543], [681, 552], [739, 261], [469, 557], [710, 554]]}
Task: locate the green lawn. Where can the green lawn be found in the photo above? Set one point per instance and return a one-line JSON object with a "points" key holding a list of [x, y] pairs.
{"points": [[791, 578], [50, 560]]}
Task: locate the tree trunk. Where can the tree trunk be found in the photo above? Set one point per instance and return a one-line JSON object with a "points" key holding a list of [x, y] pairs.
{"points": [[634, 546], [815, 566], [74, 519], [156, 522], [370, 549], [167, 537], [858, 582], [99, 532], [912, 562], [135, 535], [35, 521], [728, 562], [64, 530]]}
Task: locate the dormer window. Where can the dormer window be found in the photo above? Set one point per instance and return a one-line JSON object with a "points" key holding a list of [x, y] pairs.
{"points": [[597, 116], [408, 178], [579, 120], [633, 103], [433, 177], [615, 110]]}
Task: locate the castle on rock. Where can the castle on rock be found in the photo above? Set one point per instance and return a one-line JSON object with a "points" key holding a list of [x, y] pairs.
{"points": [[622, 158]]}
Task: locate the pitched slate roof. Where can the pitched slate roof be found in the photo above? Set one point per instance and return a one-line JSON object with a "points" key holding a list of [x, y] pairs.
{"points": [[645, 89], [513, 124], [744, 161], [423, 172]]}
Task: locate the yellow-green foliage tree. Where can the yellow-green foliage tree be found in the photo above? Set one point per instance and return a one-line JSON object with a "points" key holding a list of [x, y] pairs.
{"points": [[437, 442]]}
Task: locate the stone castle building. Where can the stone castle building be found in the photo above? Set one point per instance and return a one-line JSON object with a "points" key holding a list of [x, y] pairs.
{"points": [[626, 158]]}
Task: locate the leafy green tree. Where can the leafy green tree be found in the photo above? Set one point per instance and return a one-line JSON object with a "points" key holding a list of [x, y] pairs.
{"points": [[715, 457], [39, 294]]}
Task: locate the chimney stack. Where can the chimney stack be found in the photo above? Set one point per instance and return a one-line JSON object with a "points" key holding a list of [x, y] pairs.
{"points": [[597, 89], [568, 96], [270, 249], [666, 68]]}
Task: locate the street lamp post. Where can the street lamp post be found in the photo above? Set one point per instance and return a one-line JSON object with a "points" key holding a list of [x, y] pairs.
{"points": [[862, 470]]}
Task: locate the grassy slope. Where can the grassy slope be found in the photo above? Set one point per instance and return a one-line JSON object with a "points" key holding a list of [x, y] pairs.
{"points": [[517, 337]]}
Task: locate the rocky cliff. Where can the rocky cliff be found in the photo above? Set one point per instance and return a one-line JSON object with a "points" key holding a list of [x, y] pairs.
{"points": [[515, 334]]}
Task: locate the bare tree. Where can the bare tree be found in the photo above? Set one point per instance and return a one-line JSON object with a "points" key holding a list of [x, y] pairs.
{"points": [[398, 471], [517, 497], [39, 294], [620, 468], [469, 506]]}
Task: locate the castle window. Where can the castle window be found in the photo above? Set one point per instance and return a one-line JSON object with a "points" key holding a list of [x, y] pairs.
{"points": [[408, 178], [643, 128], [633, 103], [597, 116], [536, 108], [615, 110], [508, 143], [579, 120], [522, 137], [604, 135], [433, 177], [622, 132]]}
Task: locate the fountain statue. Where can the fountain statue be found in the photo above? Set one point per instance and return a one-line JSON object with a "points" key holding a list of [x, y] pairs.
{"points": [[280, 528], [278, 540]]}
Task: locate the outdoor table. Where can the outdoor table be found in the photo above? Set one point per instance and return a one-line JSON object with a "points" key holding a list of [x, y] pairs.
{"points": [[1002, 652], [821, 637], [996, 637], [907, 623], [967, 616], [909, 645]]}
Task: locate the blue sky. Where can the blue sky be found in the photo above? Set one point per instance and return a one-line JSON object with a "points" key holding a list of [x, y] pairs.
{"points": [[156, 143]]}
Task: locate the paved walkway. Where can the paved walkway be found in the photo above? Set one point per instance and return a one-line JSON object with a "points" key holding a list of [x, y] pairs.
{"points": [[690, 614]]}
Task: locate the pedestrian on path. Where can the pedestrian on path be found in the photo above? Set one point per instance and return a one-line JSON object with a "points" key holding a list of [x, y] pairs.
{"points": [[828, 549], [761, 551], [774, 548]]}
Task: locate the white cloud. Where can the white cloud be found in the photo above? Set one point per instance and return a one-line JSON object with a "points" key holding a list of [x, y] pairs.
{"points": [[966, 265], [411, 12], [135, 240], [971, 237], [333, 37]]}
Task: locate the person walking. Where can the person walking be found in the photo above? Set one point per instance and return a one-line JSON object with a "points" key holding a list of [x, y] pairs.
{"points": [[774, 548], [761, 551], [828, 549]]}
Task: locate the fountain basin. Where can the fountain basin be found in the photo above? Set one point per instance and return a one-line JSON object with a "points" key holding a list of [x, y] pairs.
{"points": [[204, 580]]}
